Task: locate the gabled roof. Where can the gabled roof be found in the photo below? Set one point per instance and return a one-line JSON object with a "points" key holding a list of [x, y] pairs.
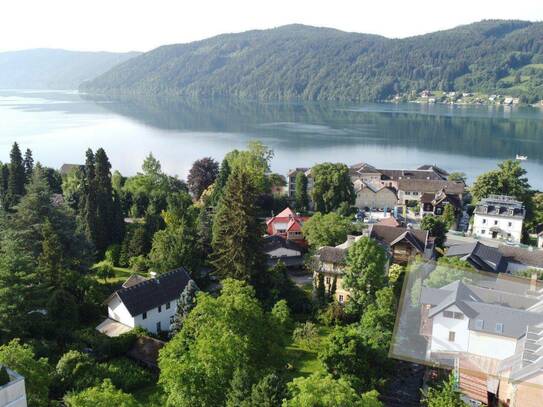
{"points": [[391, 235], [133, 280], [275, 242], [532, 258], [389, 221], [486, 305], [480, 256], [335, 255], [151, 293]]}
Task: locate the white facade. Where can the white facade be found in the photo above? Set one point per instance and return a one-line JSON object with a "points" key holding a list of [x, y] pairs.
{"points": [[13, 394], [485, 227], [444, 329], [156, 319], [454, 335]]}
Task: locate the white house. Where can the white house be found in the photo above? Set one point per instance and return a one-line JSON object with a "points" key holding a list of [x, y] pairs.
{"points": [[483, 329], [499, 217], [150, 304], [277, 248], [13, 393]]}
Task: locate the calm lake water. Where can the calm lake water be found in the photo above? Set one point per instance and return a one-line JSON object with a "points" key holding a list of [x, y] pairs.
{"points": [[60, 126]]}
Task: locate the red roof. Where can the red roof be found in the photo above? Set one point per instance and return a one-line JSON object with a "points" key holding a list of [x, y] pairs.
{"points": [[390, 221], [293, 221]]}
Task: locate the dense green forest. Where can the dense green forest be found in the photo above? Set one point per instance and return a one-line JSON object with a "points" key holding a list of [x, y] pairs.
{"points": [[54, 68], [313, 63]]}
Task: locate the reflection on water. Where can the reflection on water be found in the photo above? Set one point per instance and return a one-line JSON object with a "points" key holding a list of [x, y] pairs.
{"points": [[59, 126]]}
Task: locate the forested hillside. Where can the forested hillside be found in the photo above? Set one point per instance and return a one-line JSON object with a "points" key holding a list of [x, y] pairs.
{"points": [[54, 68], [313, 63]]}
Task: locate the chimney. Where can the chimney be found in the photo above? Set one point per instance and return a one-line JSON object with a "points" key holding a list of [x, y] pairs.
{"points": [[533, 281]]}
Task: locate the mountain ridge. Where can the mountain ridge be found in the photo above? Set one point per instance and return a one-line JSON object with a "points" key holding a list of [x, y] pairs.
{"points": [[320, 63], [53, 68]]}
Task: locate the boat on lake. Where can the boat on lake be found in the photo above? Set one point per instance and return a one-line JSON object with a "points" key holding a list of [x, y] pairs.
{"points": [[522, 157]]}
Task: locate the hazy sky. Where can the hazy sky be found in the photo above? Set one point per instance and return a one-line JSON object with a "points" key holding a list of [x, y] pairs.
{"points": [[123, 25]]}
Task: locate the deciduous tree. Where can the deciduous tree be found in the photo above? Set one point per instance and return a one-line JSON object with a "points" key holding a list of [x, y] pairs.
{"points": [[331, 187], [202, 174], [365, 273], [326, 230]]}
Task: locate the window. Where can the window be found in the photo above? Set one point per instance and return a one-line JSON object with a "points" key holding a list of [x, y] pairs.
{"points": [[495, 222], [483, 232], [484, 221], [168, 305], [479, 324], [327, 280], [452, 314], [499, 327], [160, 308], [452, 336], [341, 299], [510, 224], [158, 326], [172, 318]]}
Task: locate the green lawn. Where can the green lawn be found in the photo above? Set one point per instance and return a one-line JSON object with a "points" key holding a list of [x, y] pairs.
{"points": [[305, 362], [120, 276]]}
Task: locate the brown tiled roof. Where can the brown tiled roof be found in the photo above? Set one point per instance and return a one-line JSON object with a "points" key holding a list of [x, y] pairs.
{"points": [[334, 255], [390, 234], [390, 221], [431, 186]]}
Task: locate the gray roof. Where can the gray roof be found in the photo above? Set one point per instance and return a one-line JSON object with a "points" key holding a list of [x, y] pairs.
{"points": [[335, 255], [431, 186], [533, 258], [151, 293], [490, 306], [480, 256], [500, 205]]}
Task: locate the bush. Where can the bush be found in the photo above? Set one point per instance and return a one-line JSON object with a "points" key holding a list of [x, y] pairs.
{"points": [[139, 264], [104, 270], [104, 347], [333, 314], [76, 371], [306, 336], [113, 254], [126, 374]]}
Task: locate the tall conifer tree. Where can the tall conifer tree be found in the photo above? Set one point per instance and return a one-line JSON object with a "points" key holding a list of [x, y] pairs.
{"points": [[236, 231], [28, 164], [16, 179]]}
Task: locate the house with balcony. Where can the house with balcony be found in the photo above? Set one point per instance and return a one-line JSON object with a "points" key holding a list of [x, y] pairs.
{"points": [[435, 203], [13, 391], [287, 224], [148, 303], [499, 217], [402, 243]]}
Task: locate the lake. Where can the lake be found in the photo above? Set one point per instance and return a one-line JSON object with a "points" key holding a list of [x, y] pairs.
{"points": [[59, 126]]}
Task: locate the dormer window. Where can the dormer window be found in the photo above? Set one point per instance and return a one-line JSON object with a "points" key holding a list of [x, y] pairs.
{"points": [[485, 209], [479, 324], [499, 327], [511, 212]]}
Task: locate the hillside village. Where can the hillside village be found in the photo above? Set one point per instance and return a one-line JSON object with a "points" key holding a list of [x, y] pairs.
{"points": [[147, 280]]}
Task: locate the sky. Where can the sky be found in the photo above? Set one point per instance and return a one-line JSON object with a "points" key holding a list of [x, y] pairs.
{"points": [[137, 25]]}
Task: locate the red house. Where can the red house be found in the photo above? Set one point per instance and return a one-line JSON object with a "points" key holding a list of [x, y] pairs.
{"points": [[288, 225]]}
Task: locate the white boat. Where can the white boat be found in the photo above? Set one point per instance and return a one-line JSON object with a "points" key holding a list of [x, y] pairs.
{"points": [[522, 157]]}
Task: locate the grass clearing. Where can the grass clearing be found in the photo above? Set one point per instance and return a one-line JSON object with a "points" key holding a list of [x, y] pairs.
{"points": [[305, 362]]}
